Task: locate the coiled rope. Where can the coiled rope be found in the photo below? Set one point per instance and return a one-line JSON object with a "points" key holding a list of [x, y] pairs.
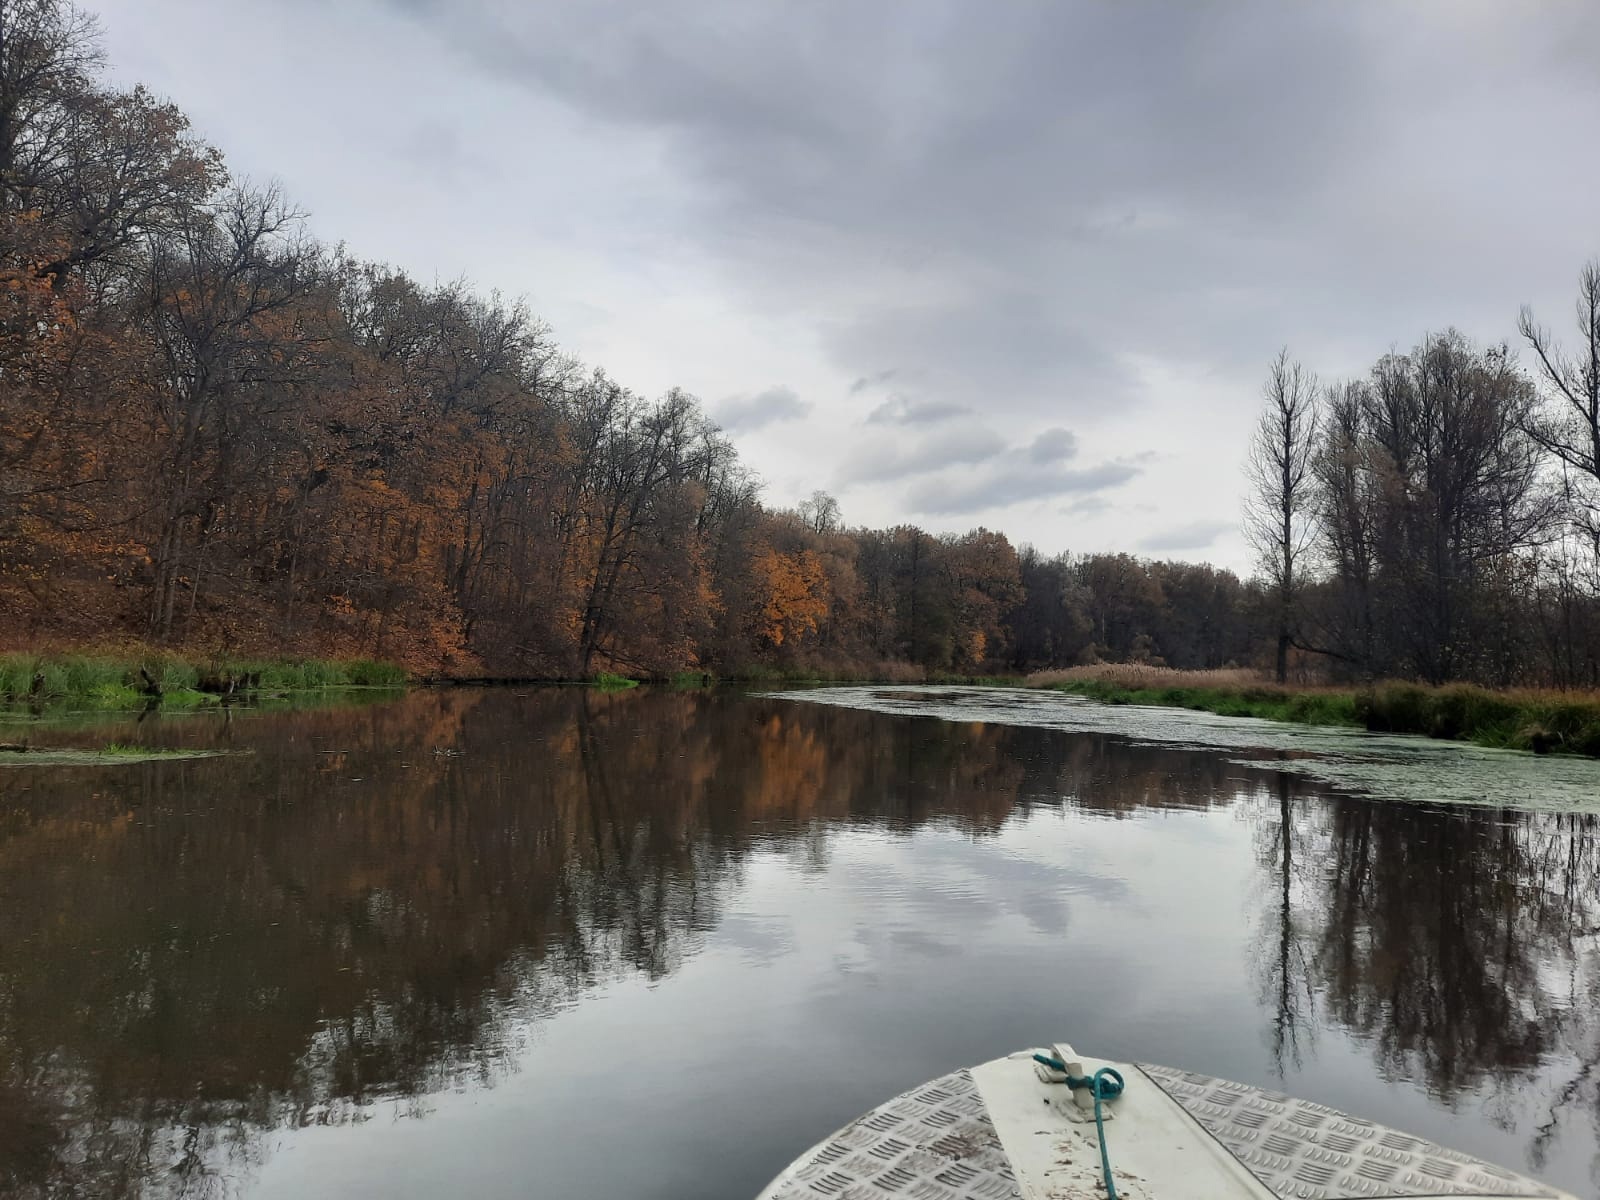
{"points": [[1104, 1084]]}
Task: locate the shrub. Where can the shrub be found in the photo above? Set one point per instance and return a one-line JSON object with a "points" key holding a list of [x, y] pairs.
{"points": [[367, 672]]}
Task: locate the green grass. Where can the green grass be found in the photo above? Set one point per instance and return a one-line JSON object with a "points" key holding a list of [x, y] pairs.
{"points": [[123, 750], [368, 672], [1544, 722], [113, 681], [607, 682], [946, 677], [1273, 704], [884, 673]]}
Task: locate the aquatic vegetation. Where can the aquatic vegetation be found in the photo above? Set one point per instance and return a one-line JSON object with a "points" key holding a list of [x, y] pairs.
{"points": [[113, 754], [1398, 767], [1542, 721]]}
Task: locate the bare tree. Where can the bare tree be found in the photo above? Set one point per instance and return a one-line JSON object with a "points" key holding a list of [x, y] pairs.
{"points": [[1349, 507], [1567, 422], [49, 53], [213, 301], [821, 513], [1279, 508]]}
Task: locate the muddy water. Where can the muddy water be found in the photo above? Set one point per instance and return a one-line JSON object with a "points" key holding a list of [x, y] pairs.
{"points": [[569, 944]]}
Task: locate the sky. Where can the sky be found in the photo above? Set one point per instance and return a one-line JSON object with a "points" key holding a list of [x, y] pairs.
{"points": [[1020, 264]]}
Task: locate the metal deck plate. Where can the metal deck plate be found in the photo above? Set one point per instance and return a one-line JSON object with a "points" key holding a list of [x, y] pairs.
{"points": [[936, 1143], [1304, 1151]]}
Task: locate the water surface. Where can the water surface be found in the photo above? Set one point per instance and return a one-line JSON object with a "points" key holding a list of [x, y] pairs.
{"points": [[654, 944]]}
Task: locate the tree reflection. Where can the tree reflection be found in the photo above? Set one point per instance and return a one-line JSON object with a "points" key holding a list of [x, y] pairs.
{"points": [[1459, 943], [372, 905]]}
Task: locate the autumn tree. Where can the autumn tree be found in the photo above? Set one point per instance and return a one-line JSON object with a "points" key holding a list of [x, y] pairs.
{"points": [[217, 300], [1050, 626], [49, 54]]}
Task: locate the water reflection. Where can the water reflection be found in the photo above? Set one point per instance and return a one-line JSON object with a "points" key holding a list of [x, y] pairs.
{"points": [[1462, 945], [381, 904]]}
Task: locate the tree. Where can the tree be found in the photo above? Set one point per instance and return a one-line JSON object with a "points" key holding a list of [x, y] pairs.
{"points": [[49, 53], [217, 300], [1347, 512], [1278, 510], [821, 512], [1567, 422]]}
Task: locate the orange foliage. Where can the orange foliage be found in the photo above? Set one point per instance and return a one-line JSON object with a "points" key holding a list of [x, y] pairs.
{"points": [[216, 433], [795, 595]]}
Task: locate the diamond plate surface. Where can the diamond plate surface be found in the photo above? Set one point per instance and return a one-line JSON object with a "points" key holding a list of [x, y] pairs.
{"points": [[1303, 1151], [936, 1143]]}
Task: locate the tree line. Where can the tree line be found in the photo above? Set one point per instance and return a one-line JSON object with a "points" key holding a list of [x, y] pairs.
{"points": [[1439, 517], [217, 432]]}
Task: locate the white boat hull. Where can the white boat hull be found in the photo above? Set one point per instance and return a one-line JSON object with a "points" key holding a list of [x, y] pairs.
{"points": [[999, 1131]]}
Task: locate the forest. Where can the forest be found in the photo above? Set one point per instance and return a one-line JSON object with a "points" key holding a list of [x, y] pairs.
{"points": [[220, 434]]}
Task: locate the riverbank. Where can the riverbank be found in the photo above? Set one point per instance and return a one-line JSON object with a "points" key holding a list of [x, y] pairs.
{"points": [[137, 678], [1545, 722]]}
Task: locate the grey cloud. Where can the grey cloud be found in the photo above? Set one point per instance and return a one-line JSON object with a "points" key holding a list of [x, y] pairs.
{"points": [[1053, 445], [871, 381], [884, 461], [1196, 535], [1028, 196], [1012, 485], [899, 410], [745, 414], [1054, 212]]}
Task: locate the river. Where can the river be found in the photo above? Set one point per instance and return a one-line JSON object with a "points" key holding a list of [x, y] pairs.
{"points": [[565, 943]]}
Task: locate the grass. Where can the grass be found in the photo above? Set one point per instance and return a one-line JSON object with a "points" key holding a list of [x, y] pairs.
{"points": [[1525, 719], [1543, 721], [122, 679], [880, 672], [1273, 704], [123, 750], [765, 674]]}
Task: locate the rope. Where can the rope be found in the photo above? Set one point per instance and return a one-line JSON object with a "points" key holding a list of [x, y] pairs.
{"points": [[1105, 1084]]}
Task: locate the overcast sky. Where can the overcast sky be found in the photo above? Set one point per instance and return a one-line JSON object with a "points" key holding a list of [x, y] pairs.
{"points": [[1020, 264]]}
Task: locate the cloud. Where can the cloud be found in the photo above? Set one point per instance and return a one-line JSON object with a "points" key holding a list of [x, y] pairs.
{"points": [[1014, 485], [1013, 205], [899, 410], [973, 469], [745, 414], [1196, 535], [1053, 445], [1102, 216], [1086, 506], [882, 461], [872, 381]]}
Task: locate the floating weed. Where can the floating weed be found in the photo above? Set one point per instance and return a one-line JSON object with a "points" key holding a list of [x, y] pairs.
{"points": [[1400, 768], [115, 754]]}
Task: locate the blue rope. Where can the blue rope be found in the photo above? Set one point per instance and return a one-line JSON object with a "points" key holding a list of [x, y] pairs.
{"points": [[1106, 1084]]}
